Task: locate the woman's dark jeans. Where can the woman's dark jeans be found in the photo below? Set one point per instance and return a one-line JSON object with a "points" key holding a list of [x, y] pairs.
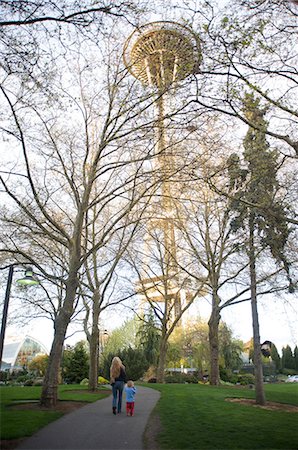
{"points": [[117, 389]]}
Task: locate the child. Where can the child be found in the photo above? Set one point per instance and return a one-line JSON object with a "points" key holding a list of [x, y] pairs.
{"points": [[130, 391]]}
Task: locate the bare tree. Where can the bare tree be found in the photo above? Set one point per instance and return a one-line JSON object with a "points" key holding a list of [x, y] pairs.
{"points": [[167, 294], [249, 46], [101, 275], [26, 12], [62, 158]]}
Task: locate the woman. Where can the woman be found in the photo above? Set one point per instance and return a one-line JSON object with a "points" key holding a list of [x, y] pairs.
{"points": [[118, 378]]}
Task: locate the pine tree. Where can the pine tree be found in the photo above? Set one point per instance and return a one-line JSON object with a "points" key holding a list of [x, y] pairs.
{"points": [[296, 358], [258, 212], [288, 361], [76, 366], [275, 357], [149, 336]]}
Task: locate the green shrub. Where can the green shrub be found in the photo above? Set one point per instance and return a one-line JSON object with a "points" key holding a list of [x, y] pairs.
{"points": [[228, 376], [286, 371], [22, 379], [247, 378], [178, 377], [192, 378], [84, 382], [4, 376], [174, 377], [102, 380]]}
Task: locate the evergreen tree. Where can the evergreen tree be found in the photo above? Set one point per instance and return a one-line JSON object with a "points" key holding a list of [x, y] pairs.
{"points": [[296, 358], [133, 359], [148, 337], [258, 212], [230, 348], [287, 358], [275, 357], [76, 363]]}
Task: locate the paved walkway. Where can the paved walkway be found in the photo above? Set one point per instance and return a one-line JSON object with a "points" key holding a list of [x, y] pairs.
{"points": [[94, 427]]}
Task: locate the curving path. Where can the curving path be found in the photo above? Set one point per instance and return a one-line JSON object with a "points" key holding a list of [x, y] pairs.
{"points": [[94, 427]]}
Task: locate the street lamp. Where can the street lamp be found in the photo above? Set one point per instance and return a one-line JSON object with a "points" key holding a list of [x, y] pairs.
{"points": [[28, 280]]}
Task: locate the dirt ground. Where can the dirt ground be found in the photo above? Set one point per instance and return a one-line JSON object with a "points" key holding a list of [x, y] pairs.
{"points": [[272, 406]]}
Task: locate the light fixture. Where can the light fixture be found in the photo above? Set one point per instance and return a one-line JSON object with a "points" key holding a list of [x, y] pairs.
{"points": [[29, 279]]}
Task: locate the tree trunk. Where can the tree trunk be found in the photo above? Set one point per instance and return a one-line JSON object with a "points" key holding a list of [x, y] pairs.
{"points": [[259, 385], [94, 355], [213, 324], [160, 375], [49, 394], [94, 345]]}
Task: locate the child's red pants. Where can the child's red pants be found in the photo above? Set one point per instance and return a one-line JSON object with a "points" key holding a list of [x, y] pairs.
{"points": [[130, 406]]}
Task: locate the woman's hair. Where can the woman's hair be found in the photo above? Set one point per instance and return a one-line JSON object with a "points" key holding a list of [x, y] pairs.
{"points": [[130, 383], [115, 367]]}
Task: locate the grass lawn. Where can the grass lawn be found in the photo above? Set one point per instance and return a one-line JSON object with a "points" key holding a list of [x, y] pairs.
{"points": [[198, 417], [193, 417], [22, 423]]}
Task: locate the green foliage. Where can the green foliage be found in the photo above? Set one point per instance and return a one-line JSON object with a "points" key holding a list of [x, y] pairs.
{"points": [[75, 365], [229, 348], [246, 378], [102, 380], [120, 338], [135, 363], [243, 378], [178, 377], [148, 338], [228, 375], [84, 382], [296, 358], [39, 364], [133, 359], [255, 187], [288, 372], [190, 347], [275, 357], [287, 359], [174, 354]]}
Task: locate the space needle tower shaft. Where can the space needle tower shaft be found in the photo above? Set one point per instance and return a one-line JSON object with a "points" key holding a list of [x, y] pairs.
{"points": [[160, 54]]}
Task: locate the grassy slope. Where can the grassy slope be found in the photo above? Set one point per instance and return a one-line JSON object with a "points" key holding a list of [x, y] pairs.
{"points": [[198, 417], [20, 423]]}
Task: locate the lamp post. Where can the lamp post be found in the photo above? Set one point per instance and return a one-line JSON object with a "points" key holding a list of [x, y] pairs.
{"points": [[28, 280]]}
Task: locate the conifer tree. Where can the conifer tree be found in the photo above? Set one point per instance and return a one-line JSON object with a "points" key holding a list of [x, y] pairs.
{"points": [[296, 358], [288, 361], [255, 190], [275, 357]]}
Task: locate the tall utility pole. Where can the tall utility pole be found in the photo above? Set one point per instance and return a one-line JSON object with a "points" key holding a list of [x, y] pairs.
{"points": [[160, 54]]}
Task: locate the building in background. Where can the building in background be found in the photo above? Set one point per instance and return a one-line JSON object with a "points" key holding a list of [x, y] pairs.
{"points": [[19, 352]]}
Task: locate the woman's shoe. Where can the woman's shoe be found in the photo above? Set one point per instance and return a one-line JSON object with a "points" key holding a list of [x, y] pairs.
{"points": [[114, 410]]}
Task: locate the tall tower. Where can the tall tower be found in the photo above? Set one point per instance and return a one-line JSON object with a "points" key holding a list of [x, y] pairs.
{"points": [[160, 54]]}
